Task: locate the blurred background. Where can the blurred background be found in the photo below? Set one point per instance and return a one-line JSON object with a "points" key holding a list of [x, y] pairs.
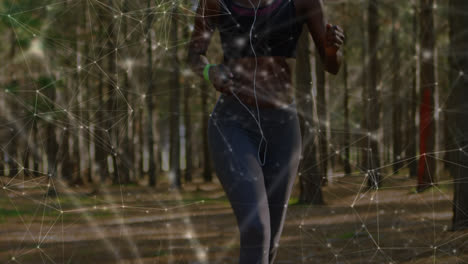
{"points": [[103, 141]]}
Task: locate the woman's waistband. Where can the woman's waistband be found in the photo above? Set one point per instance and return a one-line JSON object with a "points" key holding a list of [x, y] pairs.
{"points": [[228, 107], [229, 98]]}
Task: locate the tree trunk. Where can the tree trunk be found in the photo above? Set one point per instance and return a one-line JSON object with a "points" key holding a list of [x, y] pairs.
{"points": [[373, 103], [412, 139], [396, 102], [322, 118], [207, 170], [126, 156], [149, 99], [427, 165], [364, 144], [101, 137], [188, 133], [52, 146], [309, 177], [346, 134], [66, 169], [458, 112], [174, 87]]}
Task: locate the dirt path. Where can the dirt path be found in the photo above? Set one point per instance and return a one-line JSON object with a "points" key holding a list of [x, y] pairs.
{"points": [[132, 224]]}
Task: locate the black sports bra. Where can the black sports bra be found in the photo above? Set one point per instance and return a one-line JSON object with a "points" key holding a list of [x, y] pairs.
{"points": [[275, 32]]}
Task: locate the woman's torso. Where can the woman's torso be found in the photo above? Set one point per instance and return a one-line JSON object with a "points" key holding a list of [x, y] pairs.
{"points": [[269, 66]]}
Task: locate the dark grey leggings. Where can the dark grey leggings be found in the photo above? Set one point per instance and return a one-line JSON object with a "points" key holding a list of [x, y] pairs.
{"points": [[258, 193]]}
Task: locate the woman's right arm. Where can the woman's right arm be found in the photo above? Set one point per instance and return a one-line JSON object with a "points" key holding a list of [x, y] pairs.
{"points": [[204, 27], [205, 19]]}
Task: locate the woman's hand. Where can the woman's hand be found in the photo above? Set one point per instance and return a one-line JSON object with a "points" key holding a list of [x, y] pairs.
{"points": [[221, 78], [334, 38]]}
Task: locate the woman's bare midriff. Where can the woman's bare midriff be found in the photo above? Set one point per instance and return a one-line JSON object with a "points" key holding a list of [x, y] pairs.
{"points": [[273, 85]]}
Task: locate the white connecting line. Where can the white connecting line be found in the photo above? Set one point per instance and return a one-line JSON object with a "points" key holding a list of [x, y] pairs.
{"points": [[255, 94]]}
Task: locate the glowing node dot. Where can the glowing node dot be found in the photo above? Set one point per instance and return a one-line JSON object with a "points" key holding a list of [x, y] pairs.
{"points": [[61, 211], [461, 73], [165, 209], [147, 211]]}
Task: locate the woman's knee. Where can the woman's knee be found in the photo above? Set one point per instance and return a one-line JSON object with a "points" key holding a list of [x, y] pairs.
{"points": [[255, 231]]}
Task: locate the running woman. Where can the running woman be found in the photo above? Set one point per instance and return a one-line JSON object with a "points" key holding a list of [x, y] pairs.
{"points": [[253, 130]]}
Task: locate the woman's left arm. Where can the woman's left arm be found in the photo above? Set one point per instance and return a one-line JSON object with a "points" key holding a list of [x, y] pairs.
{"points": [[327, 38]]}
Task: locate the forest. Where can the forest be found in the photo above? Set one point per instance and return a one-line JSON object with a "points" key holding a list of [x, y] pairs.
{"points": [[103, 137]]}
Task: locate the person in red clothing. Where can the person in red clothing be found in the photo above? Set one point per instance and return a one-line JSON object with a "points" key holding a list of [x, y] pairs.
{"points": [[253, 130]]}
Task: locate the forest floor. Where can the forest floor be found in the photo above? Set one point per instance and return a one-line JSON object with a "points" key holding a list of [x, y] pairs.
{"points": [[137, 224]]}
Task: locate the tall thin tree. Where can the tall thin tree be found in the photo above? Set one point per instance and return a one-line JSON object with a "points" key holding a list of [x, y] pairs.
{"points": [[149, 97], [346, 134], [396, 102], [373, 101], [323, 125], [309, 177], [458, 110], [411, 123], [427, 130], [174, 86]]}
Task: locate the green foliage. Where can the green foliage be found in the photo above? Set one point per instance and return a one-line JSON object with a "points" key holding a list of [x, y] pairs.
{"points": [[161, 253], [24, 17], [12, 87]]}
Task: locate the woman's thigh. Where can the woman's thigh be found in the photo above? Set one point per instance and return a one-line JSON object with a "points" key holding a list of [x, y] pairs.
{"points": [[234, 154], [283, 156]]}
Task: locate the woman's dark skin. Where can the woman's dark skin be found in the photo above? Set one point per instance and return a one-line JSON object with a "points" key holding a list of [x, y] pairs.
{"points": [[273, 75]]}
